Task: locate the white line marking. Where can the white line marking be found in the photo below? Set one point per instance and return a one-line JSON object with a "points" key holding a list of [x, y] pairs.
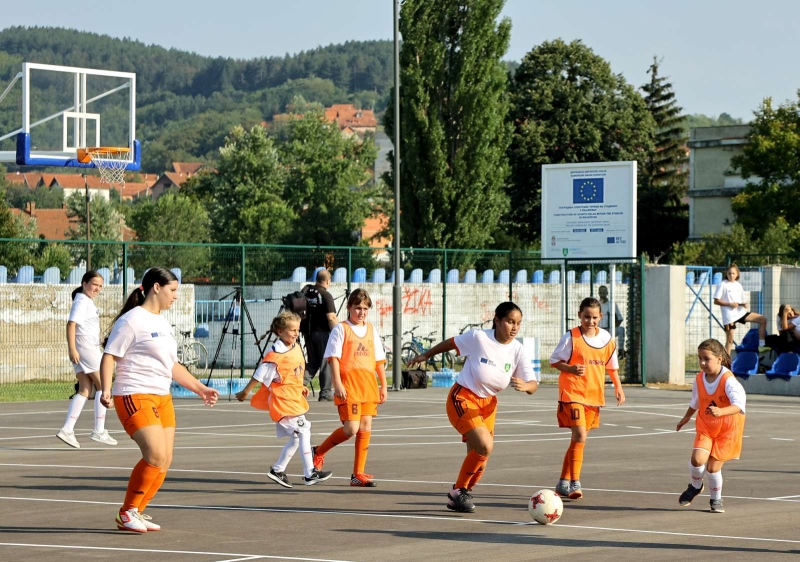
{"points": [[784, 498], [611, 424], [633, 427], [780, 439]]}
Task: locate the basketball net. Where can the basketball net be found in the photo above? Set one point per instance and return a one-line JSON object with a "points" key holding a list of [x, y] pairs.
{"points": [[110, 162]]}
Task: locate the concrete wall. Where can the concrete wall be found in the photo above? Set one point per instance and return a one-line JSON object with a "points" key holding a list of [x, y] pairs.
{"points": [[665, 311]]}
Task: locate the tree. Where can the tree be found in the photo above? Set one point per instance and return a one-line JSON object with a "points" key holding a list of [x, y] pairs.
{"points": [[568, 107], [15, 254], [453, 109], [771, 161], [663, 180], [106, 224]]}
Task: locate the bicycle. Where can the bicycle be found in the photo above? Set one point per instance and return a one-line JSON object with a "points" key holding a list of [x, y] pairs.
{"points": [[192, 353], [415, 347], [476, 325]]}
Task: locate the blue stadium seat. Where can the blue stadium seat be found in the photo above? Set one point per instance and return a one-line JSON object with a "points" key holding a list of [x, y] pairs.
{"points": [[402, 276], [690, 277], [586, 277], [416, 276], [555, 277], [3, 274], [601, 278], [487, 276], [522, 276], [378, 276], [314, 275], [503, 277], [745, 364], [178, 273], [470, 276], [702, 279], [618, 277], [786, 365], [453, 276], [118, 277], [538, 276], [298, 275], [340, 275], [717, 279], [435, 276], [570, 277], [360, 275], [24, 275], [51, 276], [105, 273], [749, 341]]}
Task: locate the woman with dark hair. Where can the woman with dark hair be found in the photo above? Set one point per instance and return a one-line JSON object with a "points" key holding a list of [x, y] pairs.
{"points": [[495, 359], [83, 343], [144, 350]]}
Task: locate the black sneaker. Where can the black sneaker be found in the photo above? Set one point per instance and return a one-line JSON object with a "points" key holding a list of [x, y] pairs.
{"points": [[362, 481], [317, 476], [690, 494], [460, 500], [716, 506], [325, 397], [280, 478]]}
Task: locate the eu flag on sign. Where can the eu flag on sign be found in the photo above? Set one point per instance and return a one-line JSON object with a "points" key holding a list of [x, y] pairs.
{"points": [[587, 190]]}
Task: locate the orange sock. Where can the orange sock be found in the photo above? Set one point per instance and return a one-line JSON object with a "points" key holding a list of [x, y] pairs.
{"points": [[576, 460], [333, 439], [142, 478], [362, 446], [477, 476], [153, 490], [472, 464], [566, 467]]}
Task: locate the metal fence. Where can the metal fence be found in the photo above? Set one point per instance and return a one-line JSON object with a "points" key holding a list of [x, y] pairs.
{"points": [[445, 292]]}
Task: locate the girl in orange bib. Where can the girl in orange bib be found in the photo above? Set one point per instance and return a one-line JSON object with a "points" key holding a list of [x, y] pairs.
{"points": [[355, 354], [719, 401], [281, 377], [584, 355]]}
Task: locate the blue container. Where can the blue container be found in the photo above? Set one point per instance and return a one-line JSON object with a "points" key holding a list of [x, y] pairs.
{"points": [[444, 378]]}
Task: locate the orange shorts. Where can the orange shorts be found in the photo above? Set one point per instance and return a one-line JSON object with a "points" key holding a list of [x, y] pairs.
{"points": [[353, 412], [466, 410], [723, 449], [572, 414], [136, 411]]}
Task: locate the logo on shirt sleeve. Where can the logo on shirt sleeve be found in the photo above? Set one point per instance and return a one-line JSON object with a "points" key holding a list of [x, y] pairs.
{"points": [[154, 335]]}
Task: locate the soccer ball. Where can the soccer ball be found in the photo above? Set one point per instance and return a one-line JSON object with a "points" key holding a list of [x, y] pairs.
{"points": [[545, 507]]}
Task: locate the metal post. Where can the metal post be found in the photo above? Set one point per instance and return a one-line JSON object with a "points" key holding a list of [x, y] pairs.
{"points": [[397, 295], [612, 307], [642, 314], [444, 296], [349, 269], [241, 319], [125, 279], [88, 225], [510, 275]]}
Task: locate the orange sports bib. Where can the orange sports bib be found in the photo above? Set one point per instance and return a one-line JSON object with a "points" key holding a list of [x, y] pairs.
{"points": [[725, 431], [590, 388], [286, 396], [357, 367]]}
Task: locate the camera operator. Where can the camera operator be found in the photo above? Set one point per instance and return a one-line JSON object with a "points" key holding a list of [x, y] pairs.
{"points": [[321, 320]]}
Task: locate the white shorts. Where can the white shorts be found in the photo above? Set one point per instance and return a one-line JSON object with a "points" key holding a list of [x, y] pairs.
{"points": [[89, 361], [291, 425]]}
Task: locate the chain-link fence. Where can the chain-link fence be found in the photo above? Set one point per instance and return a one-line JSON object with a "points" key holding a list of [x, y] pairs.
{"points": [[445, 292]]}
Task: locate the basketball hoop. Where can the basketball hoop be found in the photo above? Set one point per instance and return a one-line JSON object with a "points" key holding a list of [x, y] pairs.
{"points": [[110, 160]]}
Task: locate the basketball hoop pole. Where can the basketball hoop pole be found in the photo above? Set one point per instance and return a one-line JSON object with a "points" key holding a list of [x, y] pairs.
{"points": [[88, 225]]}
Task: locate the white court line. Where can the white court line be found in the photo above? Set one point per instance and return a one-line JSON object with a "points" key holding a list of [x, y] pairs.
{"points": [[117, 549], [633, 427], [784, 498], [420, 517], [780, 439], [626, 411]]}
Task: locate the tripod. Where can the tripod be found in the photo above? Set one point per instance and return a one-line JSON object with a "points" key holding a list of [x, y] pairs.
{"points": [[237, 305]]}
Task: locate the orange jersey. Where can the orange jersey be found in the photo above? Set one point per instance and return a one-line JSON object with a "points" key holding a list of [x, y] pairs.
{"points": [[725, 431], [286, 395], [357, 367], [588, 389]]}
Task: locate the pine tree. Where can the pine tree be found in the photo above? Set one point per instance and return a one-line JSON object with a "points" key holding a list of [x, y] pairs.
{"points": [[453, 122], [662, 215]]}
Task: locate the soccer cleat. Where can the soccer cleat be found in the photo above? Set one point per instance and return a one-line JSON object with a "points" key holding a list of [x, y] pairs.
{"points": [[575, 492], [68, 437], [280, 478], [362, 481], [716, 506], [562, 488], [102, 437], [129, 521], [690, 494], [460, 500], [147, 521], [317, 476], [318, 460]]}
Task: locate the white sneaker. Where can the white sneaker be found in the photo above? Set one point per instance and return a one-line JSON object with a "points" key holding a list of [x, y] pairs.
{"points": [[102, 437], [148, 522], [130, 521], [68, 437]]}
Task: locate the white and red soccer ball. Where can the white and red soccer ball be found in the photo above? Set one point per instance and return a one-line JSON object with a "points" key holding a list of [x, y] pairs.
{"points": [[545, 507]]}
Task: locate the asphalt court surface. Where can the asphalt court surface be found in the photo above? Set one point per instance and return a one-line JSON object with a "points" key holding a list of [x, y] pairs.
{"points": [[58, 503]]}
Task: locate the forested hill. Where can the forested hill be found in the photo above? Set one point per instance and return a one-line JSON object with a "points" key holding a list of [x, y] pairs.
{"points": [[186, 103]]}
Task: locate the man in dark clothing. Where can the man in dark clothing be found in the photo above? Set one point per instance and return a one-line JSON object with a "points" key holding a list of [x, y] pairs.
{"points": [[321, 320]]}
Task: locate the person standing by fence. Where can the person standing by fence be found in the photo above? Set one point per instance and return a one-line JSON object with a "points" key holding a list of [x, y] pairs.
{"points": [[321, 320], [729, 296]]}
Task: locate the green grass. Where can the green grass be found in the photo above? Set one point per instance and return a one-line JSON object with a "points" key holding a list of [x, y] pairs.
{"points": [[32, 391]]}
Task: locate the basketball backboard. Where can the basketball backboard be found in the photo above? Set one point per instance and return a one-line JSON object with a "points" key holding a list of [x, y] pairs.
{"points": [[64, 109]]}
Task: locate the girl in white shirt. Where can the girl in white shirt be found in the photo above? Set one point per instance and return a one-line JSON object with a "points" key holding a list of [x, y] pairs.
{"points": [[143, 349], [729, 296], [83, 342], [494, 360]]}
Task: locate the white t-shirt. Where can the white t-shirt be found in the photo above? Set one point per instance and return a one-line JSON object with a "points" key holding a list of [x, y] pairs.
{"points": [[146, 350], [491, 364], [730, 291], [87, 319], [605, 321], [268, 372], [733, 390], [336, 341], [563, 351]]}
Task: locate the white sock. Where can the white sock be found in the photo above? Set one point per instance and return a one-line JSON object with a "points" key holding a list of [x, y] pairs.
{"points": [[715, 483], [74, 412], [696, 473], [305, 450], [99, 413], [286, 454], [762, 343]]}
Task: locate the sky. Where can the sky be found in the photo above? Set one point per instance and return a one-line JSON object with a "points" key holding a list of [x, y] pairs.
{"points": [[720, 55]]}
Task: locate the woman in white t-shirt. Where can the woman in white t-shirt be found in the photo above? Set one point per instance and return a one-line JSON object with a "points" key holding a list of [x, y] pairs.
{"points": [[730, 298], [83, 343], [145, 352], [494, 359]]}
